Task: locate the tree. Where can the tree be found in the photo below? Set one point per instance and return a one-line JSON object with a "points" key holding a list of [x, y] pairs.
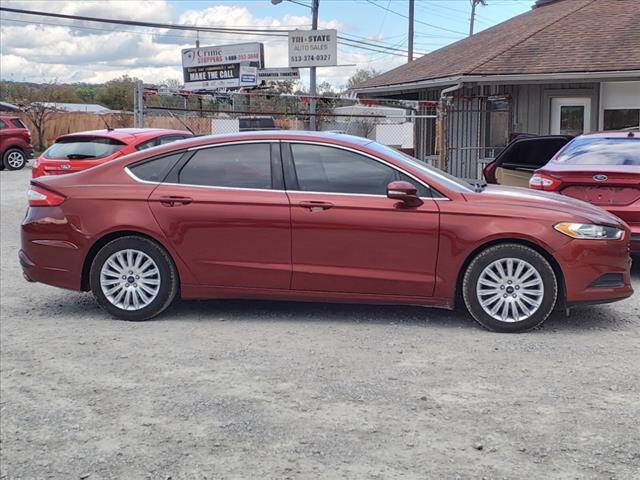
{"points": [[87, 93], [360, 76], [117, 94], [36, 105]]}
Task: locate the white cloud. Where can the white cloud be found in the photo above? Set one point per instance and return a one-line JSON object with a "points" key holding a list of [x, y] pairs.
{"points": [[33, 51]]}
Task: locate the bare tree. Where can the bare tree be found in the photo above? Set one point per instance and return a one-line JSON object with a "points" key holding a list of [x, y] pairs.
{"points": [[38, 107]]}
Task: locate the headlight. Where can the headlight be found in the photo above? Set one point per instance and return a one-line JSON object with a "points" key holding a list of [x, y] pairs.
{"points": [[588, 231]]}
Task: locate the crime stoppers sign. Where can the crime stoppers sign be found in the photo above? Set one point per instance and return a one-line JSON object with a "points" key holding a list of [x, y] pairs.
{"points": [[313, 48], [224, 66]]}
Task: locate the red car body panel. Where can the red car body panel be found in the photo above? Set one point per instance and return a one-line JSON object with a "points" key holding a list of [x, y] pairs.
{"points": [[130, 138], [14, 136], [237, 243], [618, 193]]}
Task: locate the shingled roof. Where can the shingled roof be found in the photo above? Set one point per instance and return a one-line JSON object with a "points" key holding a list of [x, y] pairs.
{"points": [[562, 36]]}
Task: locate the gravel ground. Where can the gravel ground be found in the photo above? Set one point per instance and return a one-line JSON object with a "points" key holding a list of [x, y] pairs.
{"points": [[243, 390]]}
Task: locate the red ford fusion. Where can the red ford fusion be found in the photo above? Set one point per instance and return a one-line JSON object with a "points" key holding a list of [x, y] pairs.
{"points": [[82, 150], [316, 217], [601, 168]]}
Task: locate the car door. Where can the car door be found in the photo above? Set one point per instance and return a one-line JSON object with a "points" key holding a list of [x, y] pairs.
{"points": [[515, 165], [225, 211], [347, 235]]}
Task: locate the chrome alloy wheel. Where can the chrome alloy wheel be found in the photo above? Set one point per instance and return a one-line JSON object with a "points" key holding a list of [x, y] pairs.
{"points": [[510, 290], [130, 279], [15, 160]]}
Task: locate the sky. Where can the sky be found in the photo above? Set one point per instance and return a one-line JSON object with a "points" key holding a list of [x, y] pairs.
{"points": [[39, 49]]}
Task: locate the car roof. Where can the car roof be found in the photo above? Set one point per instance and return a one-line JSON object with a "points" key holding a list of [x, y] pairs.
{"points": [[613, 134], [128, 135]]}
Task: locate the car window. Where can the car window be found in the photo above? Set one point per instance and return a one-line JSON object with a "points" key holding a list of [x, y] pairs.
{"points": [[154, 142], [2, 125], [237, 166], [170, 138], [78, 148], [334, 170], [18, 123], [601, 151], [156, 169], [532, 153]]}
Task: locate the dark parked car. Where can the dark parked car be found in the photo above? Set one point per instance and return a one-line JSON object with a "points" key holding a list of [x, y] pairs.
{"points": [[321, 217], [515, 165], [599, 168], [15, 143]]}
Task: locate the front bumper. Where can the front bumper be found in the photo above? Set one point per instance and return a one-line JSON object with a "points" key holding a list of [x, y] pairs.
{"points": [[585, 263]]}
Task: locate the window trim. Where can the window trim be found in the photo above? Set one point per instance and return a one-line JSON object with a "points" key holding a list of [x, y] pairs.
{"points": [[291, 164]]}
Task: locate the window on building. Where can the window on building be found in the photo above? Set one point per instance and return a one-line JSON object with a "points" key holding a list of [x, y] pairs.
{"points": [[622, 118]]}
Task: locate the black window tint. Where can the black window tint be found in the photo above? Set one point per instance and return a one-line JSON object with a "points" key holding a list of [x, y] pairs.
{"points": [[238, 166], [334, 170], [154, 142], [18, 123], [533, 153], [156, 169]]}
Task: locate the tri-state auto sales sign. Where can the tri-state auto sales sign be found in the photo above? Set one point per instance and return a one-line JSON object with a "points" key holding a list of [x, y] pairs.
{"points": [[313, 48]]}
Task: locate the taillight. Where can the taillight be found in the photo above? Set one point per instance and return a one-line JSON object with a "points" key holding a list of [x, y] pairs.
{"points": [[39, 197], [540, 181]]}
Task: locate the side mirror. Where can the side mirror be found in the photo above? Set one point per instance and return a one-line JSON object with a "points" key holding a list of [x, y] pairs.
{"points": [[405, 192]]}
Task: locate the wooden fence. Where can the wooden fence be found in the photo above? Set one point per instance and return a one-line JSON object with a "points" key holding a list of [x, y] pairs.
{"points": [[65, 122]]}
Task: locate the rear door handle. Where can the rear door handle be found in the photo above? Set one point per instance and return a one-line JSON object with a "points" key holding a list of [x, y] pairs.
{"points": [[315, 205], [173, 200]]}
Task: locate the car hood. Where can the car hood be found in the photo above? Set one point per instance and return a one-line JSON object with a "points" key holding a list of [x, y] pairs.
{"points": [[547, 201]]}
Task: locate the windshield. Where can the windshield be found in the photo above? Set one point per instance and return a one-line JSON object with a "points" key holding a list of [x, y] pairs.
{"points": [[440, 176], [601, 151], [78, 148]]}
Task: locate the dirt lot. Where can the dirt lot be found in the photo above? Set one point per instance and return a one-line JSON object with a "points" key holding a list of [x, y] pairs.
{"points": [[242, 390]]}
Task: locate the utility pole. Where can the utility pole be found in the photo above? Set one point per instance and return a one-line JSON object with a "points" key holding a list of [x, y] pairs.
{"points": [[315, 4], [410, 56], [474, 3]]}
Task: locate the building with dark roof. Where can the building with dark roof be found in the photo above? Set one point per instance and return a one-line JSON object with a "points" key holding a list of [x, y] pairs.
{"points": [[564, 67]]}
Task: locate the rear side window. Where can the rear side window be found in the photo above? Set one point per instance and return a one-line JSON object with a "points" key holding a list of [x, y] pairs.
{"points": [[235, 166], [334, 170], [2, 125], [154, 142], [79, 148], [532, 153], [156, 169], [601, 151], [18, 123]]}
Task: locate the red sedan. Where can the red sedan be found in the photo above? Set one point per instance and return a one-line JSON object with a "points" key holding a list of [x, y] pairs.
{"points": [[321, 217], [601, 168], [82, 150]]}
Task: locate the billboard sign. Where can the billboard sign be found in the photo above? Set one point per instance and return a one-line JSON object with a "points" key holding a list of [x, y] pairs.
{"points": [[222, 66], [313, 48], [278, 74]]}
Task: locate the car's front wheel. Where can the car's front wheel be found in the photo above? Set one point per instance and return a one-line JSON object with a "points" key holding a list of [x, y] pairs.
{"points": [[133, 278], [14, 159], [510, 288]]}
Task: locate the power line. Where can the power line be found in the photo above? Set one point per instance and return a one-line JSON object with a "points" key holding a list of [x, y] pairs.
{"points": [[224, 30], [416, 21]]}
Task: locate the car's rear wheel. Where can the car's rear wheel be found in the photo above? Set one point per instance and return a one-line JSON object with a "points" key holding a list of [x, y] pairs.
{"points": [[510, 288], [14, 159], [133, 278]]}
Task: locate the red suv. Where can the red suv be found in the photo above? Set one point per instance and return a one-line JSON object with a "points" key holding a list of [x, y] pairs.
{"points": [[599, 168], [82, 150], [15, 143], [320, 217]]}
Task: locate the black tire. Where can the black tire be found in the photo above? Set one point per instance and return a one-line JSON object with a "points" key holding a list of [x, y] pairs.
{"points": [[14, 159], [168, 277], [509, 251]]}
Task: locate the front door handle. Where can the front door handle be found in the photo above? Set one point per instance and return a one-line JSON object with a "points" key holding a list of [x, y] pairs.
{"points": [[315, 205], [173, 200]]}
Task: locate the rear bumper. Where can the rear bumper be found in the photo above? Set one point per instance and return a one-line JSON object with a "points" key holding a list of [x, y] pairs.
{"points": [[50, 252], [585, 262]]}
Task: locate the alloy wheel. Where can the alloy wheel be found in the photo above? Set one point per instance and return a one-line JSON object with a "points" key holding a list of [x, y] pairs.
{"points": [[510, 290], [15, 160], [130, 279]]}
